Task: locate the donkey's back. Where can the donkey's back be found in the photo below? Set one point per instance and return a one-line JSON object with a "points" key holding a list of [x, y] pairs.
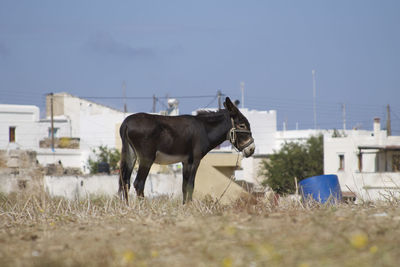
{"points": [[149, 133]]}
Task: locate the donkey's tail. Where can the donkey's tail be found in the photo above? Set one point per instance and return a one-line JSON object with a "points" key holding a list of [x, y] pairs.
{"points": [[128, 160]]}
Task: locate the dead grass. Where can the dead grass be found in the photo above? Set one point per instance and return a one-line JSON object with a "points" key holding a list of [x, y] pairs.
{"points": [[36, 230]]}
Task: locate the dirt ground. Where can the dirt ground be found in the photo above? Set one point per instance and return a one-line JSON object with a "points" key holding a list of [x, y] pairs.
{"points": [[38, 231]]}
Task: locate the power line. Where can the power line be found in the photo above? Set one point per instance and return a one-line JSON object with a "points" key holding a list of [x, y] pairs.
{"points": [[147, 97], [212, 101]]}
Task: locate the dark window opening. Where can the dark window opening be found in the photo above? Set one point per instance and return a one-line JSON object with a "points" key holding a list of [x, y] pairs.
{"points": [[55, 131], [396, 163], [12, 135], [360, 165], [341, 162]]}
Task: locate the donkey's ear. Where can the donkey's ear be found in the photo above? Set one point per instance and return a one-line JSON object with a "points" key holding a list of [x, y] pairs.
{"points": [[230, 106]]}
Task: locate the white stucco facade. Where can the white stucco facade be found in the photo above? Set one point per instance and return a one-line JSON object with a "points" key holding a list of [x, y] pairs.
{"points": [[367, 163], [78, 187], [22, 120], [271, 141], [297, 136], [29, 129], [263, 128], [69, 158], [93, 123]]}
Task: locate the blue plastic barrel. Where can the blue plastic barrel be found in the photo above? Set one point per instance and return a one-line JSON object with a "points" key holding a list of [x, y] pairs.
{"points": [[321, 188]]}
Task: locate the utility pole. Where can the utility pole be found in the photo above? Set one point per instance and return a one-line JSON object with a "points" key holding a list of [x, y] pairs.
{"points": [[219, 94], [388, 122], [124, 96], [344, 116], [52, 121], [154, 103], [314, 99], [242, 89]]}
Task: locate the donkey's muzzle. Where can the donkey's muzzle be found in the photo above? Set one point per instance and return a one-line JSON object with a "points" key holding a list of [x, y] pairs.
{"points": [[249, 150]]}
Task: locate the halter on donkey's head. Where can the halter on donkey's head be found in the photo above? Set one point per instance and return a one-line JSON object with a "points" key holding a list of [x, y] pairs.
{"points": [[239, 128], [232, 137]]}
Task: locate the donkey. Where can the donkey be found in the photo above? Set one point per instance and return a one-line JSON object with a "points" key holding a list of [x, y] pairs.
{"points": [[172, 139]]}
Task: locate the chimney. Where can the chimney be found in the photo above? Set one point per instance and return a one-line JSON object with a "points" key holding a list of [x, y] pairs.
{"points": [[377, 126]]}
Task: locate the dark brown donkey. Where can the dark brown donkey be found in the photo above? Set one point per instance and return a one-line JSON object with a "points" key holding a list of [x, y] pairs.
{"points": [[171, 139]]}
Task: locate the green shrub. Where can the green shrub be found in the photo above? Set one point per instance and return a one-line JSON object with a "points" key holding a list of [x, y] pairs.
{"points": [[104, 154], [300, 160]]}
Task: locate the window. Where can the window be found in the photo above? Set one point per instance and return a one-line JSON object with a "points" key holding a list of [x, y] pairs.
{"points": [[360, 166], [11, 135], [55, 130], [396, 163], [341, 162]]}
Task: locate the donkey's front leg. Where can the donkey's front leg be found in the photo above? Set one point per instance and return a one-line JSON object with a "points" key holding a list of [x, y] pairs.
{"points": [[189, 175], [185, 174]]}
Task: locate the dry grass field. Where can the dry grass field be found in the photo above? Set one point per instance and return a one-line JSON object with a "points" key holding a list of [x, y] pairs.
{"points": [[36, 230]]}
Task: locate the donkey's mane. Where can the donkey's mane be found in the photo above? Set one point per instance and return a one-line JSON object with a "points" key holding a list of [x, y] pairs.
{"points": [[211, 115]]}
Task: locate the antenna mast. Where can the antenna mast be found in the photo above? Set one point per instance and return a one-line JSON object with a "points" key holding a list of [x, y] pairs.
{"points": [[154, 103], [388, 123], [52, 120], [124, 96], [344, 115], [314, 99], [242, 88], [219, 94]]}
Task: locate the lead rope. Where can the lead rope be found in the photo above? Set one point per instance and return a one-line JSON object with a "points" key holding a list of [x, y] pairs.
{"points": [[232, 139], [229, 184], [232, 134]]}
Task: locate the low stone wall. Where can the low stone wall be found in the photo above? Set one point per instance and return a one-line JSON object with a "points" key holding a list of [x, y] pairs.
{"points": [[76, 187], [19, 171]]}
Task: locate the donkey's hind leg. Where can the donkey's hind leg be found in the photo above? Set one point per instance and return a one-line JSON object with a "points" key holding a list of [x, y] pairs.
{"points": [[128, 160], [144, 169]]}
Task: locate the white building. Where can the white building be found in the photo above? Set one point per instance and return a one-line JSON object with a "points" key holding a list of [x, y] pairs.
{"points": [[297, 136], [19, 126], [263, 128], [93, 123], [73, 118], [367, 163], [270, 141]]}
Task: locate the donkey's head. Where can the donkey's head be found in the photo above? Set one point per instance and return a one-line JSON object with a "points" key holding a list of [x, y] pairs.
{"points": [[240, 133]]}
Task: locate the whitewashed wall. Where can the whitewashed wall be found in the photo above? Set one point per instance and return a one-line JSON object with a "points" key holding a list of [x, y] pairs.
{"points": [[263, 128], [99, 129], [29, 128], [73, 187], [93, 123], [70, 158], [297, 136], [62, 123], [25, 119], [374, 181]]}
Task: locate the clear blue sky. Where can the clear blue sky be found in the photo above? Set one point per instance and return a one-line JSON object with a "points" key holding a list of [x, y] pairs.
{"points": [[194, 48]]}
